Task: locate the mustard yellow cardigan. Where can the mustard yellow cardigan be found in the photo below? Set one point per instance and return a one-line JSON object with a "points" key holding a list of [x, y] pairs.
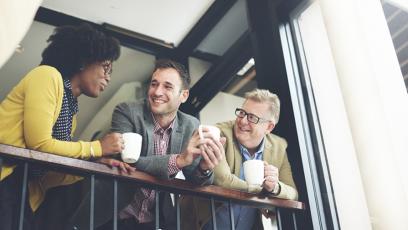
{"points": [[27, 116]]}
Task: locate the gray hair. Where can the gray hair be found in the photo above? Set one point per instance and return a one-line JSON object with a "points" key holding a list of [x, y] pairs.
{"points": [[265, 96]]}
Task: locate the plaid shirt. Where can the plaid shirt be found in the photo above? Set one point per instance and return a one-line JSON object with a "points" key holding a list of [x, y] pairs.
{"points": [[142, 208]]}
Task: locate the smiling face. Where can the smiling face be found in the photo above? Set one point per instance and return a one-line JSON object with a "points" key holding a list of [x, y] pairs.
{"points": [[93, 79], [165, 92], [249, 134]]}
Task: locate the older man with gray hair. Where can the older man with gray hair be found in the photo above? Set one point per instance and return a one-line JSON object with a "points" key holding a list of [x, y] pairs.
{"points": [[248, 137]]}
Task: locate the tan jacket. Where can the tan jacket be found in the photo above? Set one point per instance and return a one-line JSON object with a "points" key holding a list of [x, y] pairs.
{"points": [[196, 211]]}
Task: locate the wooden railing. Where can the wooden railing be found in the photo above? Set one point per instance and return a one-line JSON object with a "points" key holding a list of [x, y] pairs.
{"points": [[176, 186]]}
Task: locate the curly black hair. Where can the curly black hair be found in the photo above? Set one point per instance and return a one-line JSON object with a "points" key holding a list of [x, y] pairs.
{"points": [[182, 71], [72, 48]]}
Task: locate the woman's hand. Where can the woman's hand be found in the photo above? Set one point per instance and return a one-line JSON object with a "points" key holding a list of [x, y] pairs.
{"points": [[123, 167], [112, 143]]}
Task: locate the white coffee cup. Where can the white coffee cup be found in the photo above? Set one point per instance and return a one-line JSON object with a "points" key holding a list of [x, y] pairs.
{"points": [[254, 172], [213, 130], [133, 146]]}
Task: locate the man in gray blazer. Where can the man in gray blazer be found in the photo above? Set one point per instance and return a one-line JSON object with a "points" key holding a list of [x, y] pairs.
{"points": [[170, 144]]}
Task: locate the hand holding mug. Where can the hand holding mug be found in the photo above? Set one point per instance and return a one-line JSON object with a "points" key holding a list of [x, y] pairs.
{"points": [[191, 152], [212, 131], [204, 143], [271, 177], [212, 150], [111, 143], [212, 153]]}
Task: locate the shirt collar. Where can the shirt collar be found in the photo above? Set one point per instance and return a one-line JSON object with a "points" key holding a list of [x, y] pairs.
{"points": [[258, 154], [158, 128]]}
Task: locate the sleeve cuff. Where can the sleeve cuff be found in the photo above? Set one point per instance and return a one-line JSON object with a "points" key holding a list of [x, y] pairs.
{"points": [[277, 189], [97, 149], [253, 188], [172, 166], [203, 174]]}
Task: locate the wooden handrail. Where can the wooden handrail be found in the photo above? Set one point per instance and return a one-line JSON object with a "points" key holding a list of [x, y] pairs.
{"points": [[83, 167]]}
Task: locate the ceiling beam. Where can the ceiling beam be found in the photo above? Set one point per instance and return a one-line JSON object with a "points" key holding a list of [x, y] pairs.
{"points": [[208, 57], [219, 75], [203, 27], [55, 18]]}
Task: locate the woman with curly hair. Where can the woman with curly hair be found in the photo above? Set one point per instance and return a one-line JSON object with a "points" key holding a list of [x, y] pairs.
{"points": [[40, 112]]}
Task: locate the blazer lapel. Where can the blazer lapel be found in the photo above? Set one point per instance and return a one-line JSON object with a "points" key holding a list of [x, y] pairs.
{"points": [[237, 156], [149, 126], [176, 136], [267, 154], [238, 160]]}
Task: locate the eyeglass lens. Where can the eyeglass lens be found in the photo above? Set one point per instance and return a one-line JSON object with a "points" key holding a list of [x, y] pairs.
{"points": [[251, 117]]}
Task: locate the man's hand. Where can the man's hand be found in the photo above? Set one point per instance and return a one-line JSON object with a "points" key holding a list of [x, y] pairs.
{"points": [[191, 152], [112, 143], [122, 166], [271, 177], [212, 153]]}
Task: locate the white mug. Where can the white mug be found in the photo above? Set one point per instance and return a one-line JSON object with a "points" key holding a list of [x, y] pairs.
{"points": [[254, 172], [213, 130], [133, 146]]}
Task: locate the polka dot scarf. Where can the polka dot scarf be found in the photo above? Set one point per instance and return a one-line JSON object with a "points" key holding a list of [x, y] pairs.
{"points": [[63, 127]]}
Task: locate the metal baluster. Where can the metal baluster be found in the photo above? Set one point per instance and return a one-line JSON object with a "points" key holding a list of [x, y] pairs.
{"points": [[91, 210], [278, 218], [1, 165], [177, 200], [294, 220], [231, 211], [214, 221], [115, 204], [157, 216], [23, 196]]}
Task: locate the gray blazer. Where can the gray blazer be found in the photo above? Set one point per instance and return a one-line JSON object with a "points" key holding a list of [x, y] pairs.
{"points": [[136, 117]]}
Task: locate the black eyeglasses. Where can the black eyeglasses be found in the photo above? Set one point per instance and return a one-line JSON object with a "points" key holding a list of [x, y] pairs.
{"points": [[107, 68], [251, 117]]}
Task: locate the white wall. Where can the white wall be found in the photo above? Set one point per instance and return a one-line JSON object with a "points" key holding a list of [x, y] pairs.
{"points": [[16, 18], [220, 108], [101, 121]]}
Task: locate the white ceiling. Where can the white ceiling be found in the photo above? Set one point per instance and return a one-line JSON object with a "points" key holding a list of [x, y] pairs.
{"points": [[167, 20]]}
